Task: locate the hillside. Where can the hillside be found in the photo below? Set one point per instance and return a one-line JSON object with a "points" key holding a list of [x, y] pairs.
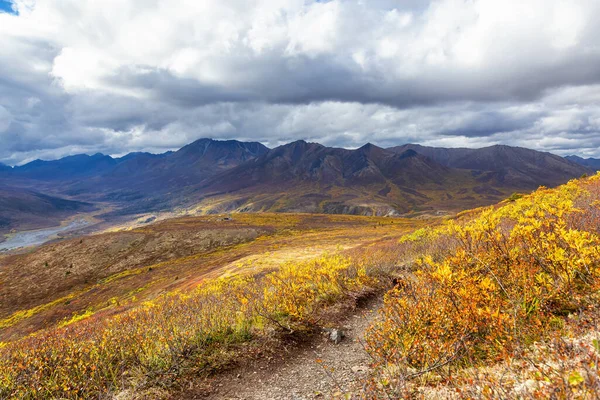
{"points": [[311, 162], [505, 166], [23, 209], [309, 177], [505, 299], [112, 272], [476, 297]]}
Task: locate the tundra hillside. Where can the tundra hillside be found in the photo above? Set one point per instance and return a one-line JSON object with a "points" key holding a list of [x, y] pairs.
{"points": [[153, 306], [496, 302], [502, 304]]}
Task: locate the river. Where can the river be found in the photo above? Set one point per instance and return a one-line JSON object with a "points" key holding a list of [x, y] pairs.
{"points": [[40, 236]]}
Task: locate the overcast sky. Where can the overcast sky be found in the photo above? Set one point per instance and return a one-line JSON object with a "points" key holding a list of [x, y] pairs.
{"points": [[114, 76]]}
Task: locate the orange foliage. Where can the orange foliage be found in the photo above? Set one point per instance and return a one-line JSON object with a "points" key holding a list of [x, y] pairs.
{"points": [[505, 281]]}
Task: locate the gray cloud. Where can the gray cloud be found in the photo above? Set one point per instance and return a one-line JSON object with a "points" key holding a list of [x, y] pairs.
{"points": [[131, 75]]}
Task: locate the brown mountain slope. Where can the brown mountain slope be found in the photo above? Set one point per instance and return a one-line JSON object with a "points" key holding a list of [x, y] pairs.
{"points": [[143, 174], [505, 166], [309, 177], [23, 209]]}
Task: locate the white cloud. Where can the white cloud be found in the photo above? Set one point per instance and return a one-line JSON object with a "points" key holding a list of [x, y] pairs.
{"points": [[239, 45], [5, 119], [122, 75]]}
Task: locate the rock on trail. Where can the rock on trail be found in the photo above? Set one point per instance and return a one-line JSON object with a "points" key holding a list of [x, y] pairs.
{"points": [[331, 364]]}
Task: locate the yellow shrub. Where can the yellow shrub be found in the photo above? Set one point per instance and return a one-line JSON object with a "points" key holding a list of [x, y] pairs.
{"points": [[297, 291], [174, 335], [514, 270]]}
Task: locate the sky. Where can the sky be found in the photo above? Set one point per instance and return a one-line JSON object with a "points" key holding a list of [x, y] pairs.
{"points": [[6, 6], [116, 76]]}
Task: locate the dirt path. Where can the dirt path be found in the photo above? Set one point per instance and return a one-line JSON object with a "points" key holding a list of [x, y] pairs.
{"points": [[302, 374]]}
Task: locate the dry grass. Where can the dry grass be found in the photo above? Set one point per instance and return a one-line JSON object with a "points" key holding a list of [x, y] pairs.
{"points": [[111, 272], [497, 302], [181, 335], [147, 307], [488, 309]]}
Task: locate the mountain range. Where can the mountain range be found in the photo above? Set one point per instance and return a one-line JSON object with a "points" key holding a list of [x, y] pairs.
{"points": [[592, 163], [212, 176], [504, 165]]}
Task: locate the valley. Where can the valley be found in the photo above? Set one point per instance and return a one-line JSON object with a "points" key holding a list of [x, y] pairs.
{"points": [[111, 272], [189, 264], [215, 177], [34, 238], [25, 209]]}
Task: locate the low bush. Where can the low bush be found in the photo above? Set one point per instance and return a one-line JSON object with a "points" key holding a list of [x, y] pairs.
{"points": [[510, 276], [176, 335]]}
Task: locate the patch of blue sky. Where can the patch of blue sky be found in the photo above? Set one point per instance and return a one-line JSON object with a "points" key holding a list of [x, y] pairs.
{"points": [[6, 6]]}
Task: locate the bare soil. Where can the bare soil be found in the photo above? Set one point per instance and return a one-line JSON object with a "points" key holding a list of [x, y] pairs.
{"points": [[317, 369]]}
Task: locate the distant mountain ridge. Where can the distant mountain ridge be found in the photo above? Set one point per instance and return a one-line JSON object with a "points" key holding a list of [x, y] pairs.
{"points": [[224, 176], [504, 165], [593, 163], [302, 161], [150, 174], [66, 168], [211, 155], [310, 177]]}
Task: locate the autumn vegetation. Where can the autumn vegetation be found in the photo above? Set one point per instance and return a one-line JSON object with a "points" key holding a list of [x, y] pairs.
{"points": [[496, 302], [115, 271], [177, 335], [507, 287], [184, 333]]}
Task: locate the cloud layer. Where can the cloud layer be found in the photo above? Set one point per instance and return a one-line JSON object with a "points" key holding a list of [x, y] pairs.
{"points": [[128, 75]]}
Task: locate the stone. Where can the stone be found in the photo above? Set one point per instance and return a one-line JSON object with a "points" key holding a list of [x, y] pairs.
{"points": [[336, 335], [360, 369]]}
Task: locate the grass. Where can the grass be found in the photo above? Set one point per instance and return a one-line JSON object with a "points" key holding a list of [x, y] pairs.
{"points": [[154, 324], [491, 291], [456, 194], [25, 314], [179, 335], [181, 253], [479, 299]]}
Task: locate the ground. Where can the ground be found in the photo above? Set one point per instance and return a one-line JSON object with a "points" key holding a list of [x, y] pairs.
{"points": [[316, 369], [111, 272]]}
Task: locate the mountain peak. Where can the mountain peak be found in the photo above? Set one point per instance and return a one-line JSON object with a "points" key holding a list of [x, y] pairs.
{"points": [[298, 144], [408, 154], [222, 147], [372, 151], [369, 147], [299, 147]]}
